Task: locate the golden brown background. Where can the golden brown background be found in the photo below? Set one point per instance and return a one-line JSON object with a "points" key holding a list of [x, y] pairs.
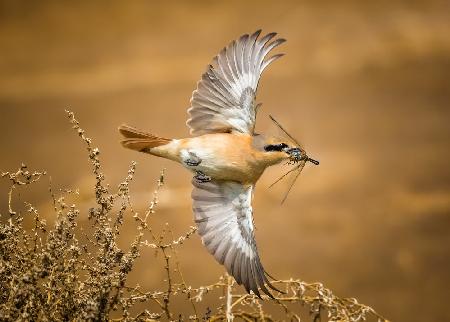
{"points": [[364, 85]]}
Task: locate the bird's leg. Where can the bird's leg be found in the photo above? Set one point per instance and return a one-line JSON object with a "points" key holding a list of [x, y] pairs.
{"points": [[201, 177], [191, 159]]}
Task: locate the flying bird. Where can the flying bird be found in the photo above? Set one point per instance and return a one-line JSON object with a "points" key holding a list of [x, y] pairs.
{"points": [[226, 156]]}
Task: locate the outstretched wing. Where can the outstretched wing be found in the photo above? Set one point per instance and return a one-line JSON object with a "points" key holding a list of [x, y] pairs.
{"points": [[224, 100], [223, 214]]}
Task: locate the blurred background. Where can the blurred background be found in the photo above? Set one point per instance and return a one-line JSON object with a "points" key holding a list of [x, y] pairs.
{"points": [[364, 86]]}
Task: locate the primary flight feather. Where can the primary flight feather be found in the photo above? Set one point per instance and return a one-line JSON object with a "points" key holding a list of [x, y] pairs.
{"points": [[226, 156]]}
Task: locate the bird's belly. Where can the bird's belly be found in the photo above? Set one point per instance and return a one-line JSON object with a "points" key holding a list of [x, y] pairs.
{"points": [[226, 160], [222, 170]]}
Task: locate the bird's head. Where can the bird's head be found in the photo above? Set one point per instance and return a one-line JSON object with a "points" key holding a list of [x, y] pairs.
{"points": [[277, 150]]}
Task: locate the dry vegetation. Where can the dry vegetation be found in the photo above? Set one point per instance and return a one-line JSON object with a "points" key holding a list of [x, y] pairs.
{"points": [[66, 272]]}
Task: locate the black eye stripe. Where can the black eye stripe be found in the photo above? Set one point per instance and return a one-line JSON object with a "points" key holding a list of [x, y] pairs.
{"points": [[275, 147]]}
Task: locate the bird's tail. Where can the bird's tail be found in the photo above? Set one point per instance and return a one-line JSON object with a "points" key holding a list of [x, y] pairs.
{"points": [[140, 141]]}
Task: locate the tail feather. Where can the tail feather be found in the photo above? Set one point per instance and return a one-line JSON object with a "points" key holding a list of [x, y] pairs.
{"points": [[140, 141], [131, 132]]}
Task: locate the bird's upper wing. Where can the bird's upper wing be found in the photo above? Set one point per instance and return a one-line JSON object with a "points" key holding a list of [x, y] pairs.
{"points": [[224, 100], [223, 214]]}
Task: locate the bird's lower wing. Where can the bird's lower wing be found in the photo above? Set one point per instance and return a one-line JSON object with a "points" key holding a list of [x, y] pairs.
{"points": [[223, 214]]}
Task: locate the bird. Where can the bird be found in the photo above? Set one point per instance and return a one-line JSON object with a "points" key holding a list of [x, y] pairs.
{"points": [[226, 156]]}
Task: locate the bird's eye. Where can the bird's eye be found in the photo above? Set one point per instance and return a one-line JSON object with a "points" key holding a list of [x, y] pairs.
{"points": [[275, 147]]}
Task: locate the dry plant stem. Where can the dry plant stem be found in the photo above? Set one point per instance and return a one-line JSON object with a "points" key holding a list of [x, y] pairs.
{"points": [[229, 298], [169, 284], [185, 288], [21, 177]]}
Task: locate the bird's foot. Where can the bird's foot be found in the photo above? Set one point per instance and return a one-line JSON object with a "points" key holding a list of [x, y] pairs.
{"points": [[193, 160], [201, 177]]}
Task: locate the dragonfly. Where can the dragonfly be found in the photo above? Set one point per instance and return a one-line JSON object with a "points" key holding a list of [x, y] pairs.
{"points": [[298, 158]]}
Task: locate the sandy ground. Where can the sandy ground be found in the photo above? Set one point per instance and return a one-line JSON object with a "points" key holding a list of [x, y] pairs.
{"points": [[363, 86]]}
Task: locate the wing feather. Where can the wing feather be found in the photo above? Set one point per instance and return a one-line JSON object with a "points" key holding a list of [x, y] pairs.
{"points": [[223, 214], [224, 100], [270, 60], [236, 267]]}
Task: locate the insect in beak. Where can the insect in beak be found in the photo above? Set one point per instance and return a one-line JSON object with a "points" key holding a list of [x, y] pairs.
{"points": [[297, 156]]}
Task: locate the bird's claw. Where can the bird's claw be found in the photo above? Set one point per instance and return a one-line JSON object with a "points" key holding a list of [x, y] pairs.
{"points": [[201, 177], [193, 160]]}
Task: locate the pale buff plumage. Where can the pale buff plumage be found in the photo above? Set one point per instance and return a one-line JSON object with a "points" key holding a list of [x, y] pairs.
{"points": [[226, 156]]}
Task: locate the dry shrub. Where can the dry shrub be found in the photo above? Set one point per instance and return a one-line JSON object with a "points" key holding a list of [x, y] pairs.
{"points": [[65, 273]]}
